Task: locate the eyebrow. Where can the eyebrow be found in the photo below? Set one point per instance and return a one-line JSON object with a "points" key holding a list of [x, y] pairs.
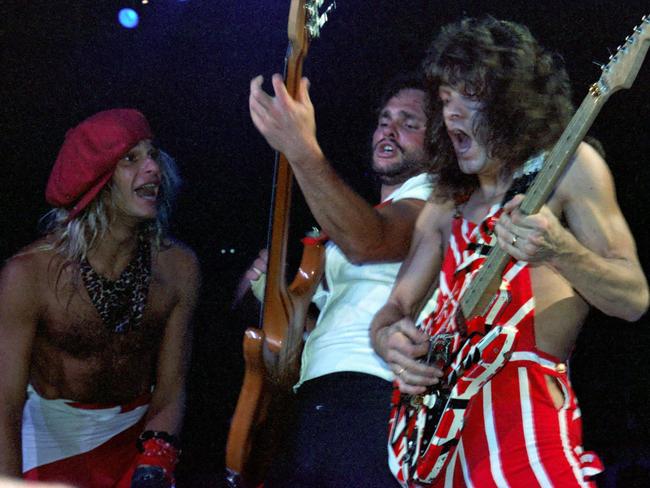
{"points": [[402, 113], [133, 152]]}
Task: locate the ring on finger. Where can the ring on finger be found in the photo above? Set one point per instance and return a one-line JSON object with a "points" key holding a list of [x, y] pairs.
{"points": [[513, 242], [399, 373]]}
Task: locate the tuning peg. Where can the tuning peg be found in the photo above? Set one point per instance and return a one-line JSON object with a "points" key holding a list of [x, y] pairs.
{"points": [[601, 66], [331, 8], [595, 90]]}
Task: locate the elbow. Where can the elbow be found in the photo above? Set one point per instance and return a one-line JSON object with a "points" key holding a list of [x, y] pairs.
{"points": [[637, 306], [641, 307], [376, 246]]}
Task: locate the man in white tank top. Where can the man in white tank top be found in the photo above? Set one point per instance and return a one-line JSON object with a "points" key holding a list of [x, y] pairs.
{"points": [[339, 430]]}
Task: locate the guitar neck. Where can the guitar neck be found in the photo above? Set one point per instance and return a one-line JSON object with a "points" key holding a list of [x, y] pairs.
{"points": [[282, 183], [557, 160], [304, 23], [276, 306]]}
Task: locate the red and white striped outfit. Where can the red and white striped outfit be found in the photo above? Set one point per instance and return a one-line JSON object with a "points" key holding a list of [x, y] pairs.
{"points": [[511, 434]]}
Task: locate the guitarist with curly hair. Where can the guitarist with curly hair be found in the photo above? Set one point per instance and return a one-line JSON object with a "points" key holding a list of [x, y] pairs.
{"points": [[493, 406]]}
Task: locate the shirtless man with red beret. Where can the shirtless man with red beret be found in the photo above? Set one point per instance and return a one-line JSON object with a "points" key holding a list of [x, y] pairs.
{"points": [[95, 318]]}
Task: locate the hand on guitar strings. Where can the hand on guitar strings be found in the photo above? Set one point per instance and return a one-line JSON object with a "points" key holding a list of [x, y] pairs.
{"points": [[287, 124], [401, 344], [536, 238]]}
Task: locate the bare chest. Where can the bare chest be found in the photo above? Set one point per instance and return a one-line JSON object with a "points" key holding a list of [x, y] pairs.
{"points": [[72, 323], [77, 356]]}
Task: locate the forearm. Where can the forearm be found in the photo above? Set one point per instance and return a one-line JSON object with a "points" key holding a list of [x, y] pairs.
{"points": [[349, 220], [417, 277], [597, 252], [10, 443], [10, 461], [363, 233], [386, 316], [614, 285], [167, 413]]}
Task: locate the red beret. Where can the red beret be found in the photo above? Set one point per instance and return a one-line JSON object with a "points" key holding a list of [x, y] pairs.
{"points": [[89, 156]]}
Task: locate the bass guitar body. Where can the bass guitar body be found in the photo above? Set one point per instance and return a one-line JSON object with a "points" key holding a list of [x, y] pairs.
{"points": [[269, 374]]}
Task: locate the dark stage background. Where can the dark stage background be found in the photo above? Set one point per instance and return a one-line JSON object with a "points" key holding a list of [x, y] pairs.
{"points": [[187, 67]]}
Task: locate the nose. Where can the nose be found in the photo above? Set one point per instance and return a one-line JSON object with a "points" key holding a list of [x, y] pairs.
{"points": [[388, 128], [452, 110], [151, 166]]}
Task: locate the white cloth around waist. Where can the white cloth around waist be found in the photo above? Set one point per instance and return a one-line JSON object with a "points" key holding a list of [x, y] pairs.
{"points": [[54, 429]]}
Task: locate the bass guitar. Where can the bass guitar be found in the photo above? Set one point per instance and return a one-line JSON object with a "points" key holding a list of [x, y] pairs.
{"points": [[424, 429], [285, 307]]}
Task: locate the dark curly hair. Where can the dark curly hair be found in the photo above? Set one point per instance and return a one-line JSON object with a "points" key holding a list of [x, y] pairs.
{"points": [[524, 88], [414, 80]]}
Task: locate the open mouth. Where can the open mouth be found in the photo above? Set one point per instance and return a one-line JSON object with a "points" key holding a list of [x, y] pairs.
{"points": [[461, 141], [148, 191], [386, 148]]}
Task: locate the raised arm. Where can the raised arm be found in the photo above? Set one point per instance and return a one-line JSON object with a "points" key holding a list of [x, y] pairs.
{"points": [[364, 234], [393, 333], [596, 253], [18, 321]]}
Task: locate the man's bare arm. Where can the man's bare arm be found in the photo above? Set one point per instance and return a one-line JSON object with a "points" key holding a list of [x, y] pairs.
{"points": [[393, 333], [363, 233], [168, 400], [597, 253], [18, 321]]}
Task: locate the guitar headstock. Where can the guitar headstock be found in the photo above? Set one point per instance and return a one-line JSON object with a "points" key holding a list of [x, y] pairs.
{"points": [[305, 22], [624, 65]]}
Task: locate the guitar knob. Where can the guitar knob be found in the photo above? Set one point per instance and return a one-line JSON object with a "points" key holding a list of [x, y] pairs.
{"points": [[416, 401]]}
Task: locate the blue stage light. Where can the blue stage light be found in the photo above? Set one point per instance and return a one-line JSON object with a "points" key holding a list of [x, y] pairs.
{"points": [[128, 18]]}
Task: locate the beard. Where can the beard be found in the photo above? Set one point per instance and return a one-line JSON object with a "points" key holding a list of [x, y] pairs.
{"points": [[411, 165]]}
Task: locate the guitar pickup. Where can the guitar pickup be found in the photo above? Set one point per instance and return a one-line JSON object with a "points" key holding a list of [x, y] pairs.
{"points": [[441, 349]]}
